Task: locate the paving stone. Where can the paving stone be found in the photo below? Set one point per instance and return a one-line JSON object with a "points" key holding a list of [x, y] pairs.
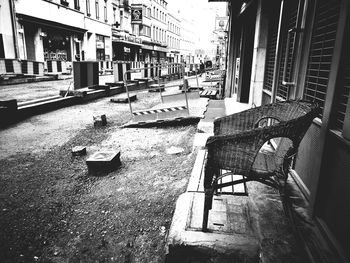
{"points": [[103, 87], [115, 84], [100, 120], [124, 98], [79, 150], [103, 162], [75, 93], [174, 150], [156, 88]]}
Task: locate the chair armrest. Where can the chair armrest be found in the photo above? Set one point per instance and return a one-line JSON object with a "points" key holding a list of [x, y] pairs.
{"points": [[235, 152]]}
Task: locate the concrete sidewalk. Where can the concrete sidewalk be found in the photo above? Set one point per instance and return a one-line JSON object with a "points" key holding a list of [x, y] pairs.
{"points": [[242, 228]]}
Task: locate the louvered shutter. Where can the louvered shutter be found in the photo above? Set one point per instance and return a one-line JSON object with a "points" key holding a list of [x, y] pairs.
{"points": [[321, 50], [271, 48]]}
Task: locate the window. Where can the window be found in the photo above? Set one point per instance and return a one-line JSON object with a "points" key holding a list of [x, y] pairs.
{"points": [[100, 47], [105, 11], [2, 50], [271, 49], [146, 31], [97, 9], [88, 8], [76, 5]]}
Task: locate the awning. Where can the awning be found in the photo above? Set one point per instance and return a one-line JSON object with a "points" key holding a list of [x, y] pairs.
{"points": [[126, 42], [47, 23], [149, 47], [162, 49]]}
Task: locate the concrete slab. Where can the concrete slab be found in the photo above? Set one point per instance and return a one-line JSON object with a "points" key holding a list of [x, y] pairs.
{"points": [[213, 113], [205, 126], [200, 139], [232, 106], [186, 244], [115, 84], [102, 162], [168, 98]]}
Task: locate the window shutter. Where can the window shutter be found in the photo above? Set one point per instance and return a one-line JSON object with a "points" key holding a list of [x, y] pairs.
{"points": [[271, 48], [321, 50]]}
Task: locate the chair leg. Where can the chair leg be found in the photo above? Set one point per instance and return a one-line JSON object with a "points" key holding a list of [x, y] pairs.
{"points": [[208, 199]]}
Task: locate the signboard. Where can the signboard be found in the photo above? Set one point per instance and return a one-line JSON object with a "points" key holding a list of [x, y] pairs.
{"points": [[100, 45], [136, 15], [221, 23], [126, 49]]}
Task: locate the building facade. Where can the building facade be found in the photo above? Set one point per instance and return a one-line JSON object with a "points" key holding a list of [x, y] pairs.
{"points": [[280, 50], [188, 43], [126, 42], [104, 30], [8, 33], [84, 33], [173, 37]]}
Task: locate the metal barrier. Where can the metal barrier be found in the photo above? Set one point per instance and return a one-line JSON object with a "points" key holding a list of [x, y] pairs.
{"points": [[32, 67], [147, 70], [157, 67], [58, 66], [85, 74], [105, 66]]}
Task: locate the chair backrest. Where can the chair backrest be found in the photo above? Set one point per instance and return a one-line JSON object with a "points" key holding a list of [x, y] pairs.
{"points": [[293, 119], [233, 133]]}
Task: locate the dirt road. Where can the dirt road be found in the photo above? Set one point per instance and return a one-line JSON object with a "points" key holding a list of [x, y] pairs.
{"points": [[51, 210]]}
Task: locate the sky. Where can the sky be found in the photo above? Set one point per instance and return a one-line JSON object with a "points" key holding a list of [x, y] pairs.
{"points": [[203, 13]]}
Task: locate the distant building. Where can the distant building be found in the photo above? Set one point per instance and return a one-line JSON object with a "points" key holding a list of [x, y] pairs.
{"points": [[149, 22], [188, 40], [65, 30], [8, 48], [104, 30], [126, 44], [173, 38]]}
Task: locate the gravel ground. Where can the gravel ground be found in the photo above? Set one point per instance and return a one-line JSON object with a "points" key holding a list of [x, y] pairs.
{"points": [[52, 210]]}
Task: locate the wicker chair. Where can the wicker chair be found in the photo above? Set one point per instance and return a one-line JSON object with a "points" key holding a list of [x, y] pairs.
{"points": [[238, 140]]}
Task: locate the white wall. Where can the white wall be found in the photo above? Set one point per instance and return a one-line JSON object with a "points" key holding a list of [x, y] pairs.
{"points": [[50, 11], [6, 29]]}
